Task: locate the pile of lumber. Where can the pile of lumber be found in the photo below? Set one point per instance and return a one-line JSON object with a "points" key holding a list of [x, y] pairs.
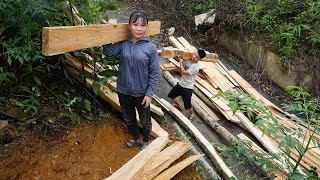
{"points": [[213, 78]]}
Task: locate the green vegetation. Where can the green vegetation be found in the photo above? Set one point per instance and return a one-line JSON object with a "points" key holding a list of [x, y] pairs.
{"points": [[308, 109], [26, 76], [291, 25], [202, 6], [289, 28], [185, 137]]}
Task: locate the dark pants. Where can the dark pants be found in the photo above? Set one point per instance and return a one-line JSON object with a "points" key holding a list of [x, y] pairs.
{"points": [[128, 107], [185, 93]]}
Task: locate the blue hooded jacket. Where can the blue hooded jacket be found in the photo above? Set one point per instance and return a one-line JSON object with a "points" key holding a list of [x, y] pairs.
{"points": [[138, 67]]}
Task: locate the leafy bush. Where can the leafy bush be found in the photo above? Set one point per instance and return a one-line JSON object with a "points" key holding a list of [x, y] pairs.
{"points": [[308, 109], [291, 24], [20, 29], [23, 68], [201, 6]]}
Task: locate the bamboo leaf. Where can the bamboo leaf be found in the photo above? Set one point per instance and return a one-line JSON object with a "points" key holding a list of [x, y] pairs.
{"points": [[87, 105], [260, 123], [96, 87], [37, 80], [108, 73]]}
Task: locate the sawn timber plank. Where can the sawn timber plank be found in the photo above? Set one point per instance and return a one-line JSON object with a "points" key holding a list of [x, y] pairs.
{"points": [[58, 40]]}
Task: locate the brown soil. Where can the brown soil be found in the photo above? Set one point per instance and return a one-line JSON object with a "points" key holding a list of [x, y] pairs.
{"points": [[91, 151]]}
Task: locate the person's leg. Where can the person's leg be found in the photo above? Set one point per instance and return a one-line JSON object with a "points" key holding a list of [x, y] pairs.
{"points": [[129, 115], [173, 95], [176, 101], [191, 113], [145, 120], [186, 97]]}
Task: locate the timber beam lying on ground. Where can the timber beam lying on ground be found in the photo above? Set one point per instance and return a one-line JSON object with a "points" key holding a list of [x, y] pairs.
{"points": [[215, 158], [58, 40], [131, 169], [171, 172]]}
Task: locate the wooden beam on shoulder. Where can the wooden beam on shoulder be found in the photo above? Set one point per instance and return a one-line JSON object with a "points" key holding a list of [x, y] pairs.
{"points": [[174, 52], [58, 40]]}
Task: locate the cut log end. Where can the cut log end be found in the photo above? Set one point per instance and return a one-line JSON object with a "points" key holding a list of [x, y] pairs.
{"points": [[45, 37]]}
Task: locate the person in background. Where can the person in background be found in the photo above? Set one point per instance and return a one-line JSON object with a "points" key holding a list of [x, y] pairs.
{"points": [[137, 78], [188, 70]]}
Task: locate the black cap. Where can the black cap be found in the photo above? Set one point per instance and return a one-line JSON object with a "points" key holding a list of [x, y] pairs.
{"points": [[202, 53]]}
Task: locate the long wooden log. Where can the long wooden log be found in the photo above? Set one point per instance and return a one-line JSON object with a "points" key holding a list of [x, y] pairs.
{"points": [[172, 171], [183, 44], [201, 140], [208, 171], [58, 40], [185, 54], [174, 52], [266, 142]]}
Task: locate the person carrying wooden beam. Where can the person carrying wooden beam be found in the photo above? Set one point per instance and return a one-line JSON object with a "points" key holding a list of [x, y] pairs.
{"points": [[137, 78], [188, 70]]}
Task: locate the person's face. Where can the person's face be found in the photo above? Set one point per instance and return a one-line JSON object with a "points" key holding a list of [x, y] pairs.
{"points": [[138, 29], [195, 57]]}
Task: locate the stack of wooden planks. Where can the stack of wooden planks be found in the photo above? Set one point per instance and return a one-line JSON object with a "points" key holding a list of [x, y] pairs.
{"points": [[215, 77]]}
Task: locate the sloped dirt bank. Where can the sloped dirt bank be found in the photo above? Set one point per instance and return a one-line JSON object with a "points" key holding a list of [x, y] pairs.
{"points": [[91, 151]]}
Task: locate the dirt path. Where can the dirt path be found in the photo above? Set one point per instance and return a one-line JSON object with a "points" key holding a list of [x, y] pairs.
{"points": [[91, 151]]}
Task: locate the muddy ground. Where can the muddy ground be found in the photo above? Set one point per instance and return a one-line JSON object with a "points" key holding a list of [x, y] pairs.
{"points": [[96, 150], [88, 151]]}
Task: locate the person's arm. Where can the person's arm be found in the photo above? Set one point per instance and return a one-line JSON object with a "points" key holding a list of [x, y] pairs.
{"points": [[111, 49], [154, 71], [182, 70]]}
